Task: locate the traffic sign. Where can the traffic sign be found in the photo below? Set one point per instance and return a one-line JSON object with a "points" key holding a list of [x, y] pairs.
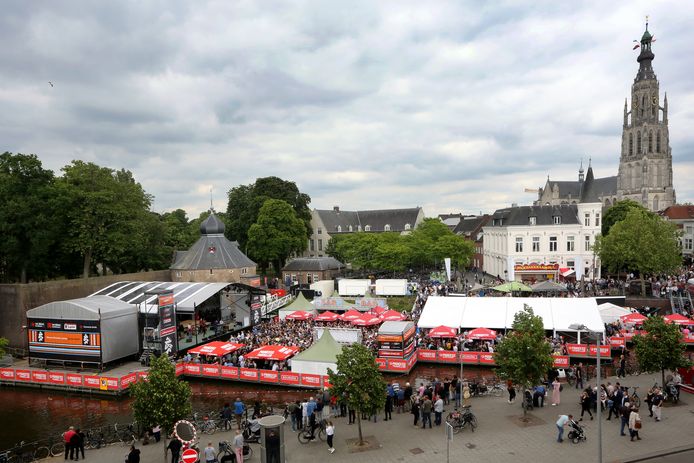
{"points": [[189, 456]]}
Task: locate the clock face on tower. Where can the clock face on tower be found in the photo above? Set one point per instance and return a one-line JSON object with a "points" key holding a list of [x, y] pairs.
{"points": [[654, 100]]}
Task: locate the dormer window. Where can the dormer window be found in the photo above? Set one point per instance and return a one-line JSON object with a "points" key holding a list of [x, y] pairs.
{"points": [[533, 220], [408, 226], [358, 227], [557, 220], [367, 228], [339, 228], [386, 227], [350, 228]]}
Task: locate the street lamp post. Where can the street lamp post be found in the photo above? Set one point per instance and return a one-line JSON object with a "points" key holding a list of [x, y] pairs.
{"points": [[582, 327]]}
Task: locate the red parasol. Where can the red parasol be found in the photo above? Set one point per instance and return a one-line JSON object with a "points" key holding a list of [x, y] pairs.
{"points": [[482, 333], [633, 318], [443, 332], [350, 315], [273, 352], [299, 315], [327, 317], [392, 316], [378, 310], [678, 319], [216, 348], [366, 319]]}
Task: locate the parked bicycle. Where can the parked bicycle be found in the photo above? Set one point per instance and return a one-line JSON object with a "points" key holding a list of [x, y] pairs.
{"points": [[226, 452], [125, 434], [305, 434], [205, 425], [460, 420]]}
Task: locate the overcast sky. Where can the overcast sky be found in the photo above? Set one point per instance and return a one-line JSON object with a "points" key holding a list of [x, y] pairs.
{"points": [[452, 106]]}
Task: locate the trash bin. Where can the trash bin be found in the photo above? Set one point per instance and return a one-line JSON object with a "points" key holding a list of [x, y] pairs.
{"points": [[272, 439]]}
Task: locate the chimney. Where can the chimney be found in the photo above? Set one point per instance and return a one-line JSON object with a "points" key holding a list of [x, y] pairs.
{"points": [[336, 209]]}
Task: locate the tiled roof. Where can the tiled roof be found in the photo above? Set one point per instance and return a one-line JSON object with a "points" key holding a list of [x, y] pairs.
{"points": [[544, 215], [679, 212], [376, 220]]}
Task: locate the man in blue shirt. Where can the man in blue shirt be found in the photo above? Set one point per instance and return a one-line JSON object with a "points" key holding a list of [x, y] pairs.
{"points": [[239, 409], [539, 396], [561, 422], [311, 412]]}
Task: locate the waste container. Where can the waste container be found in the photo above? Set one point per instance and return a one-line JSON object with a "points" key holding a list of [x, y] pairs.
{"points": [[272, 439]]}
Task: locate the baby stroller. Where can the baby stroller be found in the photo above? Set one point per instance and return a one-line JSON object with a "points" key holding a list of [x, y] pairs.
{"points": [[577, 434]]}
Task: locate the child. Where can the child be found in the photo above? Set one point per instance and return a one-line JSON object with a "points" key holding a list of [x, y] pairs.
{"points": [[330, 432]]}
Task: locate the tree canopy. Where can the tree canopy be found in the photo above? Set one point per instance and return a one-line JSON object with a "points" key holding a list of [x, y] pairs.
{"points": [[426, 246], [524, 356], [660, 347], [358, 382], [161, 399], [277, 234], [617, 213], [641, 242], [245, 202]]}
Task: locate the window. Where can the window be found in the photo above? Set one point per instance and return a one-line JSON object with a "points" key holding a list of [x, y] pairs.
{"points": [[553, 244], [557, 220], [570, 243], [316, 277], [657, 142], [293, 278], [536, 244], [688, 244], [571, 264], [631, 144], [386, 227], [408, 226], [638, 142], [597, 220], [533, 220], [367, 228], [320, 231], [320, 245], [358, 227], [586, 220], [350, 228], [519, 244], [313, 243], [339, 228], [587, 243], [308, 278], [650, 141], [688, 229]]}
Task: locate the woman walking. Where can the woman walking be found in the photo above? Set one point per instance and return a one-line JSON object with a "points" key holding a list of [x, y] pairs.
{"points": [[585, 405], [415, 411], [511, 391], [556, 392], [634, 423], [330, 432], [238, 445]]}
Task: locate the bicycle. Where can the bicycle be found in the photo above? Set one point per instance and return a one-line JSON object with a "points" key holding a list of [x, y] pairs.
{"points": [[126, 435], [304, 435], [94, 439], [204, 425], [496, 390], [460, 420]]}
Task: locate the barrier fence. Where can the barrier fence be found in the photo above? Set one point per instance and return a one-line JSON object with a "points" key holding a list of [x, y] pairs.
{"points": [[469, 358]]}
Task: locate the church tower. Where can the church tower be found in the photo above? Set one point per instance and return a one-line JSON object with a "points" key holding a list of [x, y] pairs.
{"points": [[645, 165]]}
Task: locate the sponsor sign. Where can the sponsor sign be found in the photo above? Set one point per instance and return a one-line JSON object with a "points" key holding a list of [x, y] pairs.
{"points": [[618, 342], [604, 350], [426, 355], [326, 382], [248, 374], [39, 376], [103, 384], [91, 381], [561, 361], [397, 365], [470, 357], [310, 380], [287, 377], [447, 356], [180, 369], [56, 378], [65, 340], [370, 302], [192, 369], [487, 358], [269, 376], [391, 353], [210, 370], [329, 303], [382, 363], [22, 375], [534, 267], [142, 375], [385, 338], [577, 349], [127, 380], [230, 372], [167, 323], [7, 374], [73, 379]]}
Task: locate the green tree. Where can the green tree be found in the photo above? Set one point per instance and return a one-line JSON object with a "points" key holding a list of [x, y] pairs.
{"points": [[524, 356], [277, 234], [457, 247], [618, 212], [104, 208], [358, 382], [4, 342], [161, 399], [641, 242], [28, 223], [660, 348], [245, 202], [391, 253]]}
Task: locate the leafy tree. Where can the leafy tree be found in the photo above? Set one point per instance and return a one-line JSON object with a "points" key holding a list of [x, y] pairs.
{"points": [[245, 202], [660, 348], [641, 242], [524, 355], [457, 247], [618, 212], [161, 399], [277, 234], [104, 207], [4, 342], [179, 234], [358, 382], [28, 225], [391, 253]]}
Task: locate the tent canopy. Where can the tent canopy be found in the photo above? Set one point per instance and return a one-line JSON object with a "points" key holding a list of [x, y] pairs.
{"points": [[512, 286], [299, 304], [498, 312], [325, 350], [216, 348], [350, 315], [299, 315], [443, 332], [273, 352], [366, 319], [327, 316], [611, 313], [86, 308], [549, 286], [393, 327]]}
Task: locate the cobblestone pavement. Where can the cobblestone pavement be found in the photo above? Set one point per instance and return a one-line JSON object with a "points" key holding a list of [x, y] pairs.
{"points": [[499, 436]]}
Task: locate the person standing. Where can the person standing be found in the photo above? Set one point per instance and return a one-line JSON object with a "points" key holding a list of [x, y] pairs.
{"points": [[556, 392], [585, 405], [426, 412], [634, 424], [657, 402], [624, 412], [415, 410], [579, 376], [561, 423], [511, 391], [389, 403], [175, 447], [438, 410], [352, 415], [226, 416], [622, 366], [156, 430], [330, 432], [239, 408], [67, 440], [133, 455], [291, 410], [79, 444], [408, 396], [238, 445], [210, 453], [466, 395]]}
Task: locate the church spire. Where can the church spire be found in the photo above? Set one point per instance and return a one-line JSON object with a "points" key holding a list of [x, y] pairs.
{"points": [[626, 114], [646, 56], [580, 172]]}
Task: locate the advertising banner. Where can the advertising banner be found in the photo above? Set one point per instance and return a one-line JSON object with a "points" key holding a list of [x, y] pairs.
{"points": [[56, 378], [382, 363], [326, 382], [269, 376], [310, 380], [370, 302], [249, 374], [64, 339], [180, 369], [561, 361], [470, 357], [390, 353], [330, 303], [287, 377], [74, 379], [487, 358], [447, 356], [397, 365], [230, 372], [128, 379], [142, 375], [426, 355], [91, 381], [577, 349], [210, 370], [22, 375], [618, 342], [167, 324], [39, 376], [604, 350], [193, 369], [7, 374]]}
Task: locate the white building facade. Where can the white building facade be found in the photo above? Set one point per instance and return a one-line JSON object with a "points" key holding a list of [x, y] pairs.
{"points": [[535, 243]]}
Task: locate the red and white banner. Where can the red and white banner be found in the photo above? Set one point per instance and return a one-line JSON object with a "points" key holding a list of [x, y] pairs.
{"points": [[426, 355], [180, 368], [269, 376], [91, 381], [470, 357], [56, 378], [487, 358], [39, 376], [561, 361], [248, 374], [287, 377], [22, 375], [142, 375], [210, 370], [273, 352], [447, 356], [618, 342], [382, 363], [7, 374], [326, 382], [577, 349], [310, 380], [397, 365], [74, 379], [192, 369], [128, 379], [230, 372], [604, 350]]}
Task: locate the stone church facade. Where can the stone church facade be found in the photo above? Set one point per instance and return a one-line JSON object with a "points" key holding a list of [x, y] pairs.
{"points": [[645, 163]]}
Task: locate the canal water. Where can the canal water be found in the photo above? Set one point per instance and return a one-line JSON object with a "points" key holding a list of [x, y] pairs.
{"points": [[33, 414]]}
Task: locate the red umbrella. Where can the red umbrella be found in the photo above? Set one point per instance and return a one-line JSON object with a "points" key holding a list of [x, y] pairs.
{"points": [[299, 315], [366, 320], [350, 315], [378, 310], [327, 317], [633, 318], [482, 333], [443, 332], [216, 348], [678, 319], [392, 316]]}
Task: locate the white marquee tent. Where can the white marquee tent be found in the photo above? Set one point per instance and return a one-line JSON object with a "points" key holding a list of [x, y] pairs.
{"points": [[498, 312], [611, 313]]}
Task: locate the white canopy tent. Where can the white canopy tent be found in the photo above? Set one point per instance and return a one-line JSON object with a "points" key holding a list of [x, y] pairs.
{"points": [[611, 313], [498, 312]]}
